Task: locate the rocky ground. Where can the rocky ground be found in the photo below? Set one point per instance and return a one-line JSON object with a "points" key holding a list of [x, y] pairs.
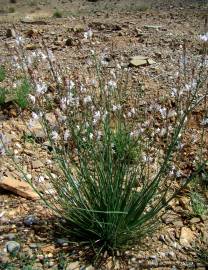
{"points": [[154, 29]]}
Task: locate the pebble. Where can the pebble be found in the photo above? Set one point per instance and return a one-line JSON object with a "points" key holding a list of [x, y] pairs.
{"points": [[195, 220], [11, 236], [62, 241], [33, 245], [30, 220], [12, 247]]}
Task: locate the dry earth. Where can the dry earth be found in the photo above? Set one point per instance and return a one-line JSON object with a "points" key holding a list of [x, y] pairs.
{"points": [[155, 29]]}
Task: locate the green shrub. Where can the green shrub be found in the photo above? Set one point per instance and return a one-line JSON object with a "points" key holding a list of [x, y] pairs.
{"points": [[11, 10], [21, 94], [2, 74], [198, 203], [2, 96], [57, 14]]}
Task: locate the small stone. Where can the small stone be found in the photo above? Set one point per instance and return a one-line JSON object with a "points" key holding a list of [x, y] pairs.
{"points": [[62, 241], [195, 220], [30, 220], [33, 245], [73, 266], [12, 247], [186, 237], [37, 164], [11, 236]]}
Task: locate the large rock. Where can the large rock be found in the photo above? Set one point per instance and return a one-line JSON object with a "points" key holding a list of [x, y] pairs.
{"points": [[18, 187]]}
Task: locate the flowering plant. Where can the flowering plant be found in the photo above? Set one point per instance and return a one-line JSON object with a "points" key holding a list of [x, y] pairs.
{"points": [[114, 146]]}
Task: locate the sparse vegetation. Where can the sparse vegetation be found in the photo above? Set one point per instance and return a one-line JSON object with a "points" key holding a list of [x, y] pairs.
{"points": [[57, 14], [21, 94], [11, 10], [199, 204], [2, 96], [2, 74]]}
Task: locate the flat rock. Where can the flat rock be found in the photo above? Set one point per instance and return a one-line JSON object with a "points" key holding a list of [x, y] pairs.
{"points": [[140, 60], [186, 237], [18, 187]]}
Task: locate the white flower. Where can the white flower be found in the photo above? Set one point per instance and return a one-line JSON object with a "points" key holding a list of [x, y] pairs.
{"points": [[62, 118], [51, 55], [3, 142], [134, 133], [204, 37], [99, 134], [59, 79], [112, 72], [91, 136], [93, 82], [191, 86], [41, 179], [88, 34], [41, 55], [41, 87], [54, 135], [96, 117], [112, 84], [118, 66], [19, 40], [71, 85], [1, 214], [133, 111], [87, 99], [116, 107], [29, 60], [66, 135], [82, 88], [204, 122], [163, 112], [63, 103], [32, 98], [92, 52], [35, 116], [129, 114]]}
